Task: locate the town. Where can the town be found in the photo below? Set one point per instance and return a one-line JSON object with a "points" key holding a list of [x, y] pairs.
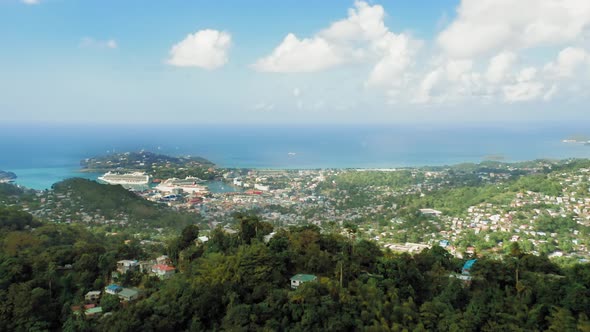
{"points": [[467, 209]]}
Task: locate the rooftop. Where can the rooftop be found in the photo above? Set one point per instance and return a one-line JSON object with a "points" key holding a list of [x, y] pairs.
{"points": [[304, 277]]}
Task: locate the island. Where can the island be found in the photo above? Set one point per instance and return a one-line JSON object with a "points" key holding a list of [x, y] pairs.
{"points": [[7, 176], [577, 139]]}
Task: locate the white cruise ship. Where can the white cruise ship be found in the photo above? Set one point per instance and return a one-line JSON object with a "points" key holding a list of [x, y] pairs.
{"points": [[189, 185], [127, 178]]}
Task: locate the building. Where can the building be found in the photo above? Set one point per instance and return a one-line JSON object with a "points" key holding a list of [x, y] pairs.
{"points": [[128, 294], [261, 187], [163, 260], [430, 212], [299, 279], [92, 296], [467, 267], [113, 289], [127, 265], [163, 271], [92, 312]]}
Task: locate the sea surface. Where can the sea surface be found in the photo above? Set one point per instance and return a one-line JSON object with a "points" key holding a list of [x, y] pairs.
{"points": [[41, 155]]}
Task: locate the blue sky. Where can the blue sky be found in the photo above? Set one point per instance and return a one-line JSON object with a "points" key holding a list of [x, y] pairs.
{"points": [[197, 62]]}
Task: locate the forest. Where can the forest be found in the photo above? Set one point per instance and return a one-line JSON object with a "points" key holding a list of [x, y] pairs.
{"points": [[240, 282]]}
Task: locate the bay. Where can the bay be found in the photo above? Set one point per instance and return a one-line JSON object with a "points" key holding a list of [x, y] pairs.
{"points": [[41, 155]]}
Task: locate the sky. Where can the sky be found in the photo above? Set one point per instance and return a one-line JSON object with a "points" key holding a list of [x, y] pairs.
{"points": [[294, 62]]}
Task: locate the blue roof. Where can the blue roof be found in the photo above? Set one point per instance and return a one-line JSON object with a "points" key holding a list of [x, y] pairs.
{"points": [[113, 287], [469, 264]]}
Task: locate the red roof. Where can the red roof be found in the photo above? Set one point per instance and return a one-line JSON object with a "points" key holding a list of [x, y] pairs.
{"points": [[163, 267]]}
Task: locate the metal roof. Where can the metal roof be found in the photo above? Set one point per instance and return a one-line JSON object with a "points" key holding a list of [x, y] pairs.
{"points": [[304, 277], [469, 264]]}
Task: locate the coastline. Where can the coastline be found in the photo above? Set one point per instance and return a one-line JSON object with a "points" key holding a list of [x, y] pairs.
{"points": [[44, 177]]}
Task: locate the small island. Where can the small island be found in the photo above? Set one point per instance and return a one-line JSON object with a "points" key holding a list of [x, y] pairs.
{"points": [[577, 139], [7, 176]]}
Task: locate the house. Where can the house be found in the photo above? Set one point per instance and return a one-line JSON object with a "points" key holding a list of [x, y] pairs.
{"points": [[128, 294], [163, 260], [126, 265], [113, 289], [92, 312], [92, 296], [163, 271], [467, 266], [299, 279], [430, 212]]}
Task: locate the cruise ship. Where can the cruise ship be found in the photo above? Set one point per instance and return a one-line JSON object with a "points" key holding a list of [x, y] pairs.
{"points": [[127, 178], [189, 184]]}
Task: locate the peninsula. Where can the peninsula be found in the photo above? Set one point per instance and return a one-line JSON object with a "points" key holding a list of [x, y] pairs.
{"points": [[157, 166], [7, 176]]}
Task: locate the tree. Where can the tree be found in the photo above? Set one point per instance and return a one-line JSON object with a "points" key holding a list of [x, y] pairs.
{"points": [[110, 302]]}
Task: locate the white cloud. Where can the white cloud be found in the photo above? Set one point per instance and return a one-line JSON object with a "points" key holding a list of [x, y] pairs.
{"points": [[525, 88], [31, 2], [568, 60], [500, 67], [206, 49], [484, 26], [425, 90], [300, 55], [263, 106], [89, 42], [523, 91], [397, 52], [361, 37], [487, 54], [550, 93]]}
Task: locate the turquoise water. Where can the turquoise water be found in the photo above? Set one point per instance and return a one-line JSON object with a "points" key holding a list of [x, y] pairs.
{"points": [[44, 178], [221, 187], [41, 155]]}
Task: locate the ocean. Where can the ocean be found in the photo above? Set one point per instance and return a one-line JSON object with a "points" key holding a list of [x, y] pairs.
{"points": [[41, 155]]}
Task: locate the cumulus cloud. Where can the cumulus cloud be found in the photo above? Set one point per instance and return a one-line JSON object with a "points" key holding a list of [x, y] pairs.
{"points": [[89, 42], [488, 53], [397, 52], [206, 49], [500, 67], [525, 88], [300, 55], [361, 37], [568, 60], [485, 26]]}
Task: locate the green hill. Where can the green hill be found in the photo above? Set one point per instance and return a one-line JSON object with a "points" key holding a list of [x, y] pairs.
{"points": [[116, 202]]}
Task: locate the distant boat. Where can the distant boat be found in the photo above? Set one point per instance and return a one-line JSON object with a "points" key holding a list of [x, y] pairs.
{"points": [[291, 154], [128, 178]]}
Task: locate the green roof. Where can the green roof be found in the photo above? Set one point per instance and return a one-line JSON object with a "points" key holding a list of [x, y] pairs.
{"points": [[128, 293], [304, 277], [92, 311]]}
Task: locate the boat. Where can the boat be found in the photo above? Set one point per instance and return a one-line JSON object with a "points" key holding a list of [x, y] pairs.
{"points": [[125, 178], [189, 184]]}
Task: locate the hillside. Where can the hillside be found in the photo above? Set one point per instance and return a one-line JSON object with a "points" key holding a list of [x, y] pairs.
{"points": [[144, 161], [240, 282], [81, 200], [156, 165]]}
